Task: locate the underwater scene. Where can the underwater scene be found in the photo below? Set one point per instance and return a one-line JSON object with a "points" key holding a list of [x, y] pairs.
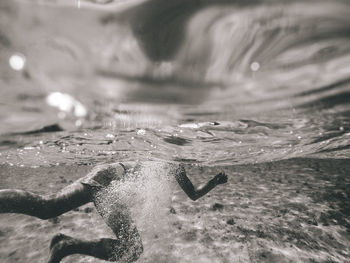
{"points": [[256, 89]]}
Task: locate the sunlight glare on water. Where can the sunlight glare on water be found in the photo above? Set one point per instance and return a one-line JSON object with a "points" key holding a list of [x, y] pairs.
{"points": [[66, 103]]}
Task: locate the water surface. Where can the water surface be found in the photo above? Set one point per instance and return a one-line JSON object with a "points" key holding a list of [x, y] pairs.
{"points": [[206, 83]]}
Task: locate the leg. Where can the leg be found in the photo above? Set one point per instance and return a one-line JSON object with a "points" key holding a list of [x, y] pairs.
{"points": [[104, 248], [62, 246], [127, 248], [23, 202]]}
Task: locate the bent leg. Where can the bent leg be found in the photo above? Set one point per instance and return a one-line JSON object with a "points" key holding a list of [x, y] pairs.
{"points": [[104, 248], [126, 248], [24, 202]]}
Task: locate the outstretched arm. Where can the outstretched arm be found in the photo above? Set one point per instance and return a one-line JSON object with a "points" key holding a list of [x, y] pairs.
{"points": [[190, 190]]}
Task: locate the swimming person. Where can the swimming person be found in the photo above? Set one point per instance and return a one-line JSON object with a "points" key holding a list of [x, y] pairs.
{"points": [[98, 187]]}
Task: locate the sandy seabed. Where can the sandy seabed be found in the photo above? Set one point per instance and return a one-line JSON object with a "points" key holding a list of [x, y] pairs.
{"points": [[295, 210]]}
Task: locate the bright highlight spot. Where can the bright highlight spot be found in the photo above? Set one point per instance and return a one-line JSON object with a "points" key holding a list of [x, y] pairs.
{"points": [[17, 62], [79, 109], [110, 136], [141, 132], [255, 66], [78, 123], [66, 103], [189, 125]]}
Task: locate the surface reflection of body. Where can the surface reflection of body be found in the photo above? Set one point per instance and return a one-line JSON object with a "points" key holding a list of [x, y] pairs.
{"points": [[95, 188]]}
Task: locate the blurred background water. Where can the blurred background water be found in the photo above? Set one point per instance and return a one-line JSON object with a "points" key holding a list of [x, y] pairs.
{"points": [[198, 81]]}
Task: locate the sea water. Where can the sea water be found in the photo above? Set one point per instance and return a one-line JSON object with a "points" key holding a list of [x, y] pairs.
{"points": [[258, 86]]}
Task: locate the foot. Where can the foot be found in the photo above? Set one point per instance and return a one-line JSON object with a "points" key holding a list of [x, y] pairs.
{"points": [[58, 247], [57, 238]]}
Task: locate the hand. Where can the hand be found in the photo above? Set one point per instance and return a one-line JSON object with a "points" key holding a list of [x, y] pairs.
{"points": [[220, 178]]}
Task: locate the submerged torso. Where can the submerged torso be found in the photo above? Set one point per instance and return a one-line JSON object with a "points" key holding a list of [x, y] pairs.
{"points": [[141, 187]]}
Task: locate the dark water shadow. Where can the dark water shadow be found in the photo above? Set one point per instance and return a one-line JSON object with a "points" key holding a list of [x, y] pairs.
{"points": [[159, 26], [48, 128], [177, 140]]}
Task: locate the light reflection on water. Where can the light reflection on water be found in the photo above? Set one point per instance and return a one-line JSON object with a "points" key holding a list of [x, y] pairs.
{"points": [[228, 83]]}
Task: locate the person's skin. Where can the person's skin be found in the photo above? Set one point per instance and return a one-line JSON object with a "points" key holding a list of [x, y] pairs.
{"points": [[127, 248], [189, 188]]}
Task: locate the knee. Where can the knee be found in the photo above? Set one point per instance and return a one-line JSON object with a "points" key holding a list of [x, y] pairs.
{"points": [[45, 216], [47, 209], [39, 206]]}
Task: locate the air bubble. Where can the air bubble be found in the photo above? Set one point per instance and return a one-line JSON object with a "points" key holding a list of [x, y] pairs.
{"points": [[255, 66], [17, 62]]}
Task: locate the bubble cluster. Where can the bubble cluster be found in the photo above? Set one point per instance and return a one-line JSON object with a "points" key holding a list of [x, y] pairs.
{"points": [[145, 192]]}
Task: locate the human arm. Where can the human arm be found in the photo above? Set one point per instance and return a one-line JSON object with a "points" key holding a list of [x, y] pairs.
{"points": [[193, 193]]}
